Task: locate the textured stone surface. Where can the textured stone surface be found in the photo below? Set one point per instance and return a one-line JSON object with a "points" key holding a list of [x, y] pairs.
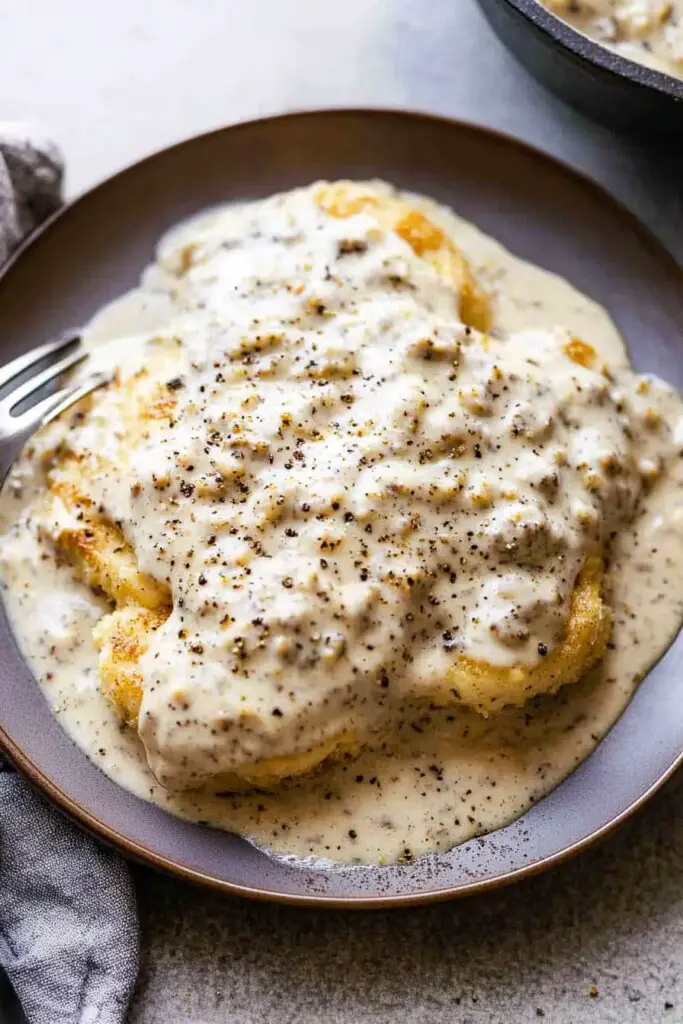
{"points": [[114, 80]]}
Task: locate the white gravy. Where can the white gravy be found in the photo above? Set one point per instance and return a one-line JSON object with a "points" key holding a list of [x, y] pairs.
{"points": [[445, 775], [647, 31]]}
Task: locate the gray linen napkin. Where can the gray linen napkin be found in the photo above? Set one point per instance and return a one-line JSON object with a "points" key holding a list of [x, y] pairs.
{"points": [[68, 920]]}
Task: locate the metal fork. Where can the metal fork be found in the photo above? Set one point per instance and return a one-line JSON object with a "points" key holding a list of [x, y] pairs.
{"points": [[16, 428]]}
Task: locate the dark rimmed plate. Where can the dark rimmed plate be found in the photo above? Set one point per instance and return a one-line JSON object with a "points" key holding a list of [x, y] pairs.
{"points": [[96, 248], [602, 84]]}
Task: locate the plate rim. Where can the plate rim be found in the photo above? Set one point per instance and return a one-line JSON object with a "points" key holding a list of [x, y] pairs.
{"points": [[146, 854]]}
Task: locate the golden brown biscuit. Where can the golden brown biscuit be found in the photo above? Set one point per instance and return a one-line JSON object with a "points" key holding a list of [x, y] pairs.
{"points": [[104, 559], [122, 638], [426, 239], [488, 688]]}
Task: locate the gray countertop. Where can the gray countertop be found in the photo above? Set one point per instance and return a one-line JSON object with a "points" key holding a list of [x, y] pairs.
{"points": [[598, 940]]}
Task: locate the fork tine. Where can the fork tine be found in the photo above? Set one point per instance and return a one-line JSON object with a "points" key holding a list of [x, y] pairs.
{"points": [[51, 372], [25, 362], [52, 406], [72, 395]]}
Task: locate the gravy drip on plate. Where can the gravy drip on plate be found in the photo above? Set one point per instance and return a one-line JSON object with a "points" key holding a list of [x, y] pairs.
{"points": [[647, 31], [437, 777]]}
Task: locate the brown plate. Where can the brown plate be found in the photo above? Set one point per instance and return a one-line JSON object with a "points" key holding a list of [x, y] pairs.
{"points": [[95, 249]]}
